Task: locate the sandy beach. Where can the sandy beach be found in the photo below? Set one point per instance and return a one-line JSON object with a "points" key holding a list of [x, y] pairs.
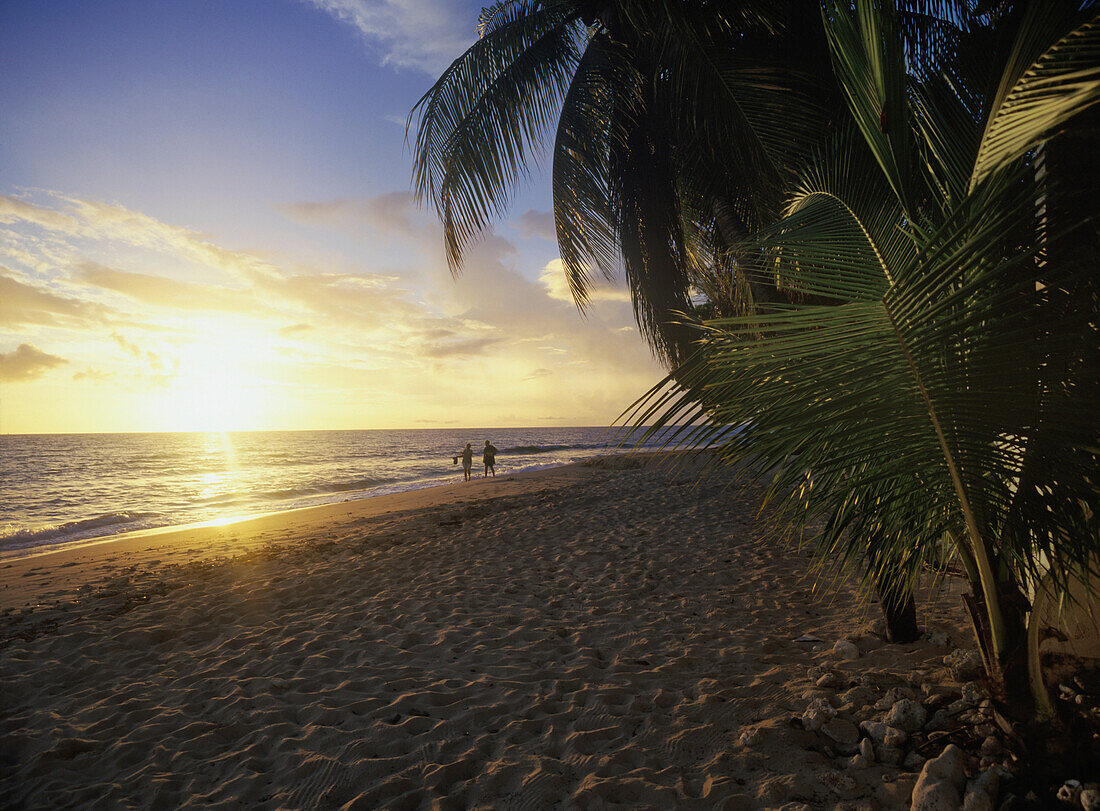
{"points": [[616, 635]]}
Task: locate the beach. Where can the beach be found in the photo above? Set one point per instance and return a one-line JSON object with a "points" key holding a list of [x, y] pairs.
{"points": [[610, 634]]}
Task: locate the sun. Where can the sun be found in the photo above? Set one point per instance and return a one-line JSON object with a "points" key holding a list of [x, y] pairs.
{"points": [[218, 385]]}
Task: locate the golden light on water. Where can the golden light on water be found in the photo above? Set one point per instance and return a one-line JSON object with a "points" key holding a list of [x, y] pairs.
{"points": [[218, 448]]}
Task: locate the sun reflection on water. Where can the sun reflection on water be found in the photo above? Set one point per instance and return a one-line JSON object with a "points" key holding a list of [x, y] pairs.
{"points": [[218, 449]]}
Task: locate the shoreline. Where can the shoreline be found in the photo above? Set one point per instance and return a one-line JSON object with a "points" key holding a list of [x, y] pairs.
{"points": [[51, 547], [617, 633], [132, 482], [25, 577], [28, 541]]}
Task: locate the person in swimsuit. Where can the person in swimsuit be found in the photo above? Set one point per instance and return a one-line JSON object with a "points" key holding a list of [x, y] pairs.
{"points": [[489, 457], [467, 462]]}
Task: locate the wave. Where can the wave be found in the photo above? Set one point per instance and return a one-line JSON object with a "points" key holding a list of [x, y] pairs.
{"points": [[552, 448], [22, 535], [296, 492], [331, 487]]}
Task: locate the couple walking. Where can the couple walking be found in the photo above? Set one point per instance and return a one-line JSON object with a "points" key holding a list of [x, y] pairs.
{"points": [[488, 456]]}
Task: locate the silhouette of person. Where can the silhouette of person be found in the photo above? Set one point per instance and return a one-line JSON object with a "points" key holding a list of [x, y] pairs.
{"points": [[489, 457], [467, 462]]}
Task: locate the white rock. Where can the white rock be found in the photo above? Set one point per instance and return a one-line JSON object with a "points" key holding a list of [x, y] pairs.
{"points": [[1090, 799], [930, 794], [940, 781], [939, 639], [964, 664], [1070, 791], [890, 755], [854, 762], [884, 734], [973, 693], [813, 719], [843, 733], [907, 714], [857, 695], [950, 766], [981, 793], [845, 649], [914, 761], [893, 696], [867, 749]]}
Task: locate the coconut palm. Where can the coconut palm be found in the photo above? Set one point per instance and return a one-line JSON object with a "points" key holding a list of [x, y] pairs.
{"points": [[946, 401], [678, 126], [645, 103]]}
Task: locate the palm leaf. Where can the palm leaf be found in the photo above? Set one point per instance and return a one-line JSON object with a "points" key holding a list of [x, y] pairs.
{"points": [[479, 121], [1043, 86], [586, 230], [867, 60]]}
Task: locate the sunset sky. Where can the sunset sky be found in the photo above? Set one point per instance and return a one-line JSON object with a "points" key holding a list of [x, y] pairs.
{"points": [[205, 223]]}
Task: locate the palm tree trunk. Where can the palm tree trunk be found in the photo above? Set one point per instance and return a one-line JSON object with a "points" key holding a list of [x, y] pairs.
{"points": [[899, 608], [901, 618], [1005, 654]]}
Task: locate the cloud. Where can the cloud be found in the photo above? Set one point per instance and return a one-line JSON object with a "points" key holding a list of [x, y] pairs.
{"points": [[292, 330], [393, 213], [426, 35], [96, 220], [538, 373], [12, 209], [162, 291], [462, 346], [539, 224], [94, 376], [26, 362], [22, 303], [365, 301], [557, 285], [254, 286], [149, 356]]}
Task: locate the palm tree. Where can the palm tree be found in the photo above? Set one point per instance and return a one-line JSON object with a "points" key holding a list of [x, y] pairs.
{"points": [[646, 102], [678, 126], [947, 399]]}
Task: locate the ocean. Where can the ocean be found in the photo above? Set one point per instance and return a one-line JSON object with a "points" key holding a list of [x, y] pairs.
{"points": [[57, 489]]}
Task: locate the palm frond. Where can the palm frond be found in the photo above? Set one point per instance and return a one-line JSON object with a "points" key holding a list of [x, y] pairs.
{"points": [[479, 121], [867, 59], [587, 235], [1044, 86]]}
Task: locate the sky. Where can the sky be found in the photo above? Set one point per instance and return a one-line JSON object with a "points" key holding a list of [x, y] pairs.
{"points": [[206, 224]]}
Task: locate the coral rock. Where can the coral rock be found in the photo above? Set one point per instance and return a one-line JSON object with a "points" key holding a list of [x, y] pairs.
{"points": [[884, 734], [843, 733], [845, 649], [1090, 799], [914, 761], [907, 715], [981, 794], [965, 665], [867, 749]]}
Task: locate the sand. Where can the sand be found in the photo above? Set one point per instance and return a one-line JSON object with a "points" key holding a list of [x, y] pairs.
{"points": [[585, 637]]}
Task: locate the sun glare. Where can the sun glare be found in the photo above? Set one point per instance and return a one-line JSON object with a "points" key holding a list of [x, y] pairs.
{"points": [[218, 387]]}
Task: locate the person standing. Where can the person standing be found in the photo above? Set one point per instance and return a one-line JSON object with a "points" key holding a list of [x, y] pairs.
{"points": [[467, 462], [489, 457]]}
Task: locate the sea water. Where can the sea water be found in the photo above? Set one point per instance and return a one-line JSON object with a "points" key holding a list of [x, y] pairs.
{"points": [[63, 488]]}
